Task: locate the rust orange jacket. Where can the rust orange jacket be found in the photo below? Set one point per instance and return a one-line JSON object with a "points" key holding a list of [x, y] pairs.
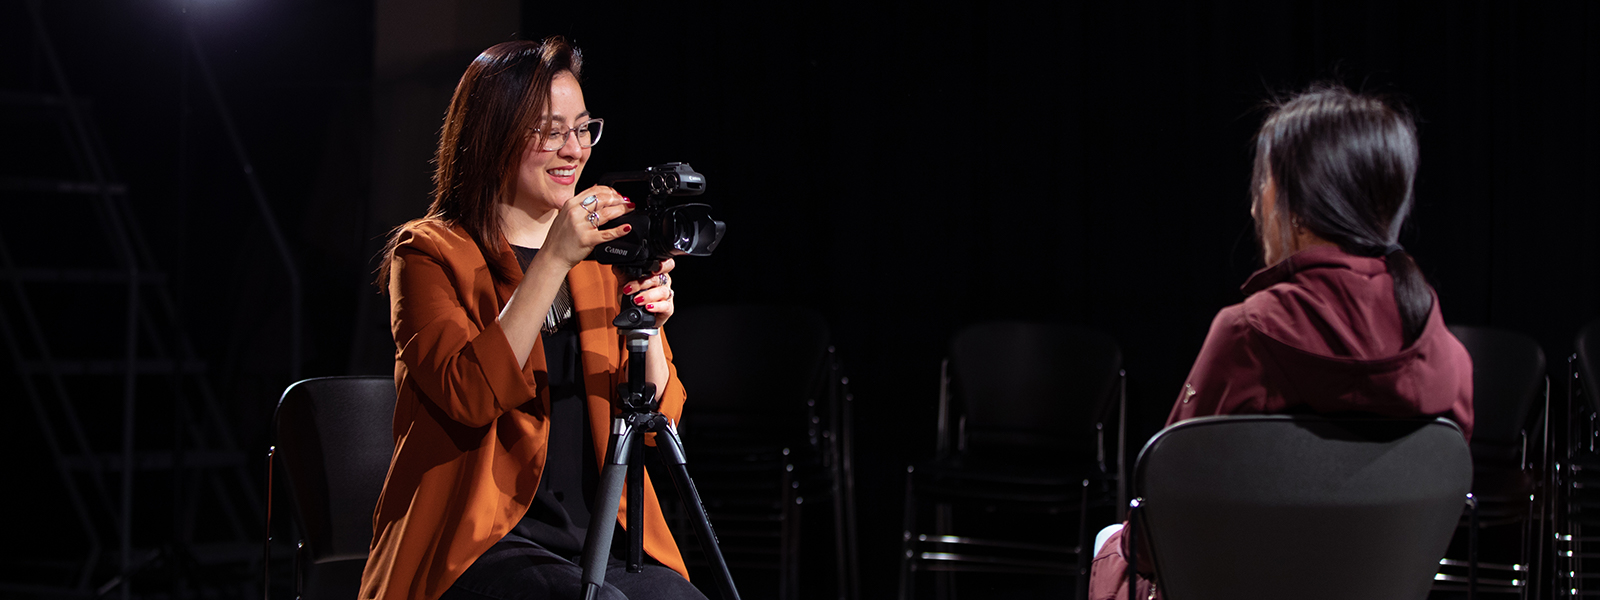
{"points": [[470, 425]]}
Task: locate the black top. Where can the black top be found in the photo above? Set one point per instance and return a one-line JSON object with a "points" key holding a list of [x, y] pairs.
{"points": [[559, 515]]}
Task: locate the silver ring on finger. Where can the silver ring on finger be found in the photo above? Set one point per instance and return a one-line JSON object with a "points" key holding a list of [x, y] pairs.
{"points": [[589, 201], [662, 278], [671, 294], [594, 219]]}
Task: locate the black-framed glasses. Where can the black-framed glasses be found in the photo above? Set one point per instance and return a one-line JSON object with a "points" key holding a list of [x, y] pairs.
{"points": [[588, 133]]}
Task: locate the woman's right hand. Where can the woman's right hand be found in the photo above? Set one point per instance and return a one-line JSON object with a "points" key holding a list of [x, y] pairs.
{"points": [[574, 233]]}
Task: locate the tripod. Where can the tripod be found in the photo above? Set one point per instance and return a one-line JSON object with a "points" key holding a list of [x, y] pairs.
{"points": [[625, 457]]}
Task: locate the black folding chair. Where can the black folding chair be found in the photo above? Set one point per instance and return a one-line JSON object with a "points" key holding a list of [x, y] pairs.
{"points": [[1300, 507], [1510, 396], [1025, 411], [334, 441], [1576, 507], [768, 433]]}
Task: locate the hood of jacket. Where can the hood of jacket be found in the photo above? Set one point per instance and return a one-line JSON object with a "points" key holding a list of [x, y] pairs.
{"points": [[1331, 323]]}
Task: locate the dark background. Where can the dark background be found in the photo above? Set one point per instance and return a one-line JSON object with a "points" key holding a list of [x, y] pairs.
{"points": [[904, 168]]}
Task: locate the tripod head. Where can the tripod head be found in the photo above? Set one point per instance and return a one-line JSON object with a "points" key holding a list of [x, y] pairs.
{"points": [[632, 316]]}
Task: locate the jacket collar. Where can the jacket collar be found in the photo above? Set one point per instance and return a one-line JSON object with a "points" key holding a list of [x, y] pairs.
{"points": [[1315, 257]]}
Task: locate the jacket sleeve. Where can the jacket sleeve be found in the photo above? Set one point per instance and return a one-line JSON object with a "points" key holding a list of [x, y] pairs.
{"points": [[672, 398], [469, 373]]}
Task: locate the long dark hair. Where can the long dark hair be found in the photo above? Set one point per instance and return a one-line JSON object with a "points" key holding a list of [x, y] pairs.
{"points": [[1343, 165], [503, 94]]}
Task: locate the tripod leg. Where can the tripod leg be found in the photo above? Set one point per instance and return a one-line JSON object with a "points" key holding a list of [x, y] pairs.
{"points": [[602, 522], [671, 448], [636, 510]]}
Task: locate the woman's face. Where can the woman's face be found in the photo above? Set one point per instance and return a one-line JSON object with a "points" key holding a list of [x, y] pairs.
{"points": [[548, 179], [1268, 226]]}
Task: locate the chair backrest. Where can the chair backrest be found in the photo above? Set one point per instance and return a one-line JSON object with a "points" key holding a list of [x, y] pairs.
{"points": [[1019, 382], [748, 359], [1300, 506], [1588, 348], [334, 440], [1508, 373]]}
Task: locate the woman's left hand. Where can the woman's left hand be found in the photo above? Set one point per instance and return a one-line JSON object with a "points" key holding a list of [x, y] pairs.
{"points": [[654, 292]]}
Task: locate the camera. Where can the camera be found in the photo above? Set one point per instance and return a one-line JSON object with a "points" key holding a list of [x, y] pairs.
{"points": [[660, 231]]}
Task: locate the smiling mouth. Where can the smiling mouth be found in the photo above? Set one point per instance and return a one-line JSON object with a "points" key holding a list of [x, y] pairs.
{"points": [[563, 172]]}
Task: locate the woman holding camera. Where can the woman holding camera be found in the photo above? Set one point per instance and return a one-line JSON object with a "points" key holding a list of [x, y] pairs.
{"points": [[1341, 320], [506, 358]]}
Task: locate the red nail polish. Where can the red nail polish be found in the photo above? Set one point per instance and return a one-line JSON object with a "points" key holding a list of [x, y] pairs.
{"points": [[627, 289], [649, 307], [627, 228], [638, 300]]}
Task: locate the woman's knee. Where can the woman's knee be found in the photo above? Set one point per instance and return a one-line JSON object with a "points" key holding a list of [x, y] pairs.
{"points": [[1105, 534]]}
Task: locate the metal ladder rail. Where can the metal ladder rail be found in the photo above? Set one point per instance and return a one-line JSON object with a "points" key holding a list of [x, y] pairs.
{"points": [[97, 176], [119, 219], [46, 424], [153, 337], [118, 223], [123, 221], [127, 230], [125, 227], [136, 254], [183, 350]]}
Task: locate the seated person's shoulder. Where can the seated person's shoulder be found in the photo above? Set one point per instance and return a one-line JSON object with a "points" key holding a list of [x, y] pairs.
{"points": [[1279, 303], [1231, 323], [434, 237]]}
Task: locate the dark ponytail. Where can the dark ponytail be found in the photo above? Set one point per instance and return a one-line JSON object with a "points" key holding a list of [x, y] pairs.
{"points": [[1411, 293], [1343, 165]]}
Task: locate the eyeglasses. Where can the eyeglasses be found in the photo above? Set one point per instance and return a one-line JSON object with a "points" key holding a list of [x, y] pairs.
{"points": [[588, 133]]}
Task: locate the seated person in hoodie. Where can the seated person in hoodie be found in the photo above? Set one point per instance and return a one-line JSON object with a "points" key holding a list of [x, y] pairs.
{"points": [[1341, 320]]}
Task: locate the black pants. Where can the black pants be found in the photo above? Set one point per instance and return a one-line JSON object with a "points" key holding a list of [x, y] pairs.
{"points": [[516, 568]]}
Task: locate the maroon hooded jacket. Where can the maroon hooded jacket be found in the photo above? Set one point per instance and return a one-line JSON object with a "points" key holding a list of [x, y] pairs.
{"points": [[1319, 333]]}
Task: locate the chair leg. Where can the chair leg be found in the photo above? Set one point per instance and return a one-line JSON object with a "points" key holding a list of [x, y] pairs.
{"points": [[1081, 584], [1130, 534], [1472, 549], [944, 587], [908, 542], [266, 544], [786, 530], [1532, 529], [793, 589], [300, 563], [847, 462], [841, 555]]}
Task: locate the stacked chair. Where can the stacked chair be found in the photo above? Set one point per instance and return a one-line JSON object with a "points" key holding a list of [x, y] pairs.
{"points": [[1577, 476], [767, 432], [1304, 507], [334, 439], [1498, 541], [1031, 422]]}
